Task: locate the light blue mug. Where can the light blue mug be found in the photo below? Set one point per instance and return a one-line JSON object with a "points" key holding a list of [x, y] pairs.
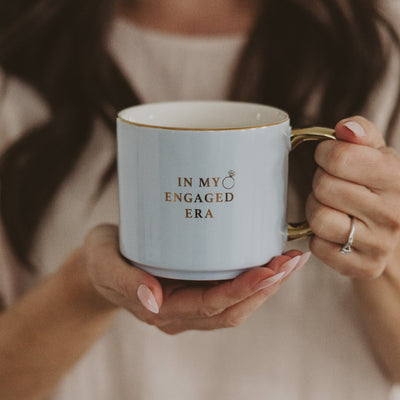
{"points": [[202, 186]]}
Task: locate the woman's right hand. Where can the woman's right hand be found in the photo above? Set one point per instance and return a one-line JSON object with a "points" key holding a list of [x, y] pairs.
{"points": [[176, 306]]}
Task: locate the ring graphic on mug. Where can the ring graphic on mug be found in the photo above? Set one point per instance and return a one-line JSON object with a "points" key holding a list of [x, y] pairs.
{"points": [[229, 181], [202, 186]]}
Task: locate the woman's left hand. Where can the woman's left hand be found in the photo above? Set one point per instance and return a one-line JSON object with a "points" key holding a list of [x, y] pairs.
{"points": [[358, 176]]}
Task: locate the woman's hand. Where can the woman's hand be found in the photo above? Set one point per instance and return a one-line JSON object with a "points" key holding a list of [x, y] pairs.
{"points": [[358, 176], [177, 306]]}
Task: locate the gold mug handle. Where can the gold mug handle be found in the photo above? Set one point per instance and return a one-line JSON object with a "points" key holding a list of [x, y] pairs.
{"points": [[298, 136]]}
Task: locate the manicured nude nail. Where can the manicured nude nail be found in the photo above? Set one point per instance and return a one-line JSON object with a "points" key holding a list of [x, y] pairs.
{"points": [[303, 260], [355, 127], [270, 281], [146, 297], [290, 265]]}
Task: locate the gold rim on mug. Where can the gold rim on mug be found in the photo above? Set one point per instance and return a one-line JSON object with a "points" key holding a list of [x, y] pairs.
{"points": [[201, 129], [286, 118]]}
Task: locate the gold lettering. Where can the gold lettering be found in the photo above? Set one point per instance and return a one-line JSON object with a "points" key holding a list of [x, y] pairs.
{"points": [[209, 214], [228, 197], [168, 196], [197, 213], [216, 181], [204, 182], [198, 199], [207, 198], [185, 182], [188, 213], [177, 196], [219, 198], [188, 182], [188, 197]]}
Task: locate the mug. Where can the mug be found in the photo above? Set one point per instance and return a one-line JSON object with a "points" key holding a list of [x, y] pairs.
{"points": [[202, 186]]}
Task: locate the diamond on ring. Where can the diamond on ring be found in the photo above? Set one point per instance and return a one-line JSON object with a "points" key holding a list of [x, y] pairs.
{"points": [[346, 248]]}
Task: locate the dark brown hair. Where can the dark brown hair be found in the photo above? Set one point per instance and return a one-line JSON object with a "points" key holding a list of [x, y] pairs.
{"points": [[334, 49]]}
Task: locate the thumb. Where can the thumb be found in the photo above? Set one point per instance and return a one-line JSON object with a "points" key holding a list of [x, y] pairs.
{"points": [[130, 286], [359, 130]]}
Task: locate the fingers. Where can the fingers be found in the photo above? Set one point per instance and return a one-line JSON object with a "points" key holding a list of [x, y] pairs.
{"points": [[175, 306], [358, 176], [354, 265], [276, 263], [354, 163], [373, 242], [359, 130], [334, 226], [326, 222], [115, 279], [360, 156], [204, 302], [228, 318], [348, 197], [228, 304]]}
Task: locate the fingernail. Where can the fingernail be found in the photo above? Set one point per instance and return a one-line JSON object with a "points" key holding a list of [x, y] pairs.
{"points": [[355, 127], [290, 265], [303, 260], [270, 281], [146, 297]]}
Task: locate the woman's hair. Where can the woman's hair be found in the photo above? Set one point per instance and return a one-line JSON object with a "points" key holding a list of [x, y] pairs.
{"points": [[329, 52]]}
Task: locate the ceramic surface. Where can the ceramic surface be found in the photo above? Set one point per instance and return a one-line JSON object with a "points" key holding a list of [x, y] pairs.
{"points": [[202, 187]]}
